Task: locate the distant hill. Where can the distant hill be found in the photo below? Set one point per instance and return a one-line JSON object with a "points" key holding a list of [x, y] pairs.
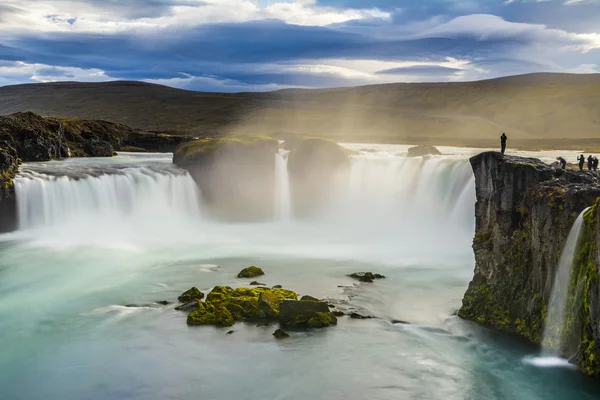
{"points": [[535, 110]]}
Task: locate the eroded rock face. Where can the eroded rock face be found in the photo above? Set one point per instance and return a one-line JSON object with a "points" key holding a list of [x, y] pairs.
{"points": [[8, 169], [236, 175], [316, 167], [419, 151], [524, 212], [314, 314]]}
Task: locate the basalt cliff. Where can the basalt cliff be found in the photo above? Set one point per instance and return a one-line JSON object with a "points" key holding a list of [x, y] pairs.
{"points": [[524, 212]]}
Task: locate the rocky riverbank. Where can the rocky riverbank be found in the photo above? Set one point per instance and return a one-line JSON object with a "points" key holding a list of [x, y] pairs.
{"points": [[524, 212], [28, 137]]}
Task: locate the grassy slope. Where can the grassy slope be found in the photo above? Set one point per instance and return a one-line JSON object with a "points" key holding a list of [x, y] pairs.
{"points": [[536, 111]]}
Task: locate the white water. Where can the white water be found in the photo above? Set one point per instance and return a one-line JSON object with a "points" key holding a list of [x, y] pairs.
{"points": [[282, 187], [551, 342]]}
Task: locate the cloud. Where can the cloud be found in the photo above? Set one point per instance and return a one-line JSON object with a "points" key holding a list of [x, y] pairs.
{"points": [[431, 70], [246, 45]]}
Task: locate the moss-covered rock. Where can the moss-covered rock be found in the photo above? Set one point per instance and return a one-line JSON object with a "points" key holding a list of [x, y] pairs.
{"points": [[250, 272], [236, 174], [305, 313], [9, 166], [316, 168], [190, 306], [270, 300], [210, 314], [322, 320], [190, 294], [280, 334], [309, 298]]}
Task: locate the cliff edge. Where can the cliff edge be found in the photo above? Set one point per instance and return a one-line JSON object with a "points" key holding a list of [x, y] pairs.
{"points": [[524, 212]]}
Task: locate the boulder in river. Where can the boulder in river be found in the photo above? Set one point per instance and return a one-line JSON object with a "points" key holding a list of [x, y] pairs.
{"points": [[314, 314], [419, 151], [280, 334], [256, 283], [189, 306], [309, 298], [367, 277], [210, 314], [250, 272], [191, 294]]}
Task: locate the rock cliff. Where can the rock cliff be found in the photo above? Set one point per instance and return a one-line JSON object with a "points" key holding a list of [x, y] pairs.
{"points": [[524, 212]]}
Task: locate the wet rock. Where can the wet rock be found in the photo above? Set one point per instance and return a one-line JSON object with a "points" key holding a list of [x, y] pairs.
{"points": [[163, 302], [420, 151], [331, 305], [269, 301], [191, 294], [277, 287], [280, 334], [399, 321], [355, 315], [338, 313], [367, 277], [305, 313], [250, 272], [255, 283], [210, 314], [189, 306], [230, 332], [309, 298]]}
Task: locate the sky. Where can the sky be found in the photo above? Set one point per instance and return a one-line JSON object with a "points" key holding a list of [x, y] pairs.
{"points": [[261, 45]]}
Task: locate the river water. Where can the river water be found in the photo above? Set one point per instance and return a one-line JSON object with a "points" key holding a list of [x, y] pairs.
{"points": [[99, 234]]}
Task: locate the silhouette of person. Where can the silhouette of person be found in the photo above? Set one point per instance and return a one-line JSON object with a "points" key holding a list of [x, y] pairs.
{"points": [[595, 164], [503, 143], [563, 162], [590, 160], [581, 160]]}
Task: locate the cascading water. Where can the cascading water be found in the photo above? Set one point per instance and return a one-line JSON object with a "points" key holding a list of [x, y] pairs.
{"points": [[283, 202], [553, 329]]}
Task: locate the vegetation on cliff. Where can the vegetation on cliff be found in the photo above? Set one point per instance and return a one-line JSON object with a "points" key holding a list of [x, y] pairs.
{"points": [[211, 149]]}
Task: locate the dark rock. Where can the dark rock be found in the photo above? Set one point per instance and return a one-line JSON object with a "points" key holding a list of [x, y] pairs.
{"points": [[399, 321], [255, 283], [191, 294], [277, 287], [309, 298], [314, 314], [338, 313], [359, 316], [9, 166], [367, 277], [330, 305], [523, 216], [210, 314], [163, 302], [250, 272], [419, 151], [230, 332], [189, 306], [280, 334]]}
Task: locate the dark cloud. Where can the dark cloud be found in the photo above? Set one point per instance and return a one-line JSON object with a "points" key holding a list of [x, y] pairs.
{"points": [[54, 72], [428, 70]]}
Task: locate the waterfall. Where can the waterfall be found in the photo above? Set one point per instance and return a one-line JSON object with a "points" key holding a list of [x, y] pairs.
{"points": [[553, 329], [282, 187], [132, 194]]}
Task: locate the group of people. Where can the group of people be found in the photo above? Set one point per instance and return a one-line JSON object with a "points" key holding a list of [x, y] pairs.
{"points": [[592, 162]]}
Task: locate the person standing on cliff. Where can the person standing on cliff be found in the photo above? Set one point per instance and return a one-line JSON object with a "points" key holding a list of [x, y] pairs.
{"points": [[595, 164], [581, 160], [563, 162], [590, 163], [503, 143]]}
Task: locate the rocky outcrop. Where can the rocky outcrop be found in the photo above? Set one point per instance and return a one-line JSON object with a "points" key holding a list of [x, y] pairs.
{"points": [[236, 174], [420, 151], [524, 212], [8, 169], [251, 272], [316, 166]]}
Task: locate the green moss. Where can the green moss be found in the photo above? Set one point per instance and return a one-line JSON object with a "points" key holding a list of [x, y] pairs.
{"points": [[250, 272], [191, 294], [211, 314], [321, 320], [196, 150]]}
